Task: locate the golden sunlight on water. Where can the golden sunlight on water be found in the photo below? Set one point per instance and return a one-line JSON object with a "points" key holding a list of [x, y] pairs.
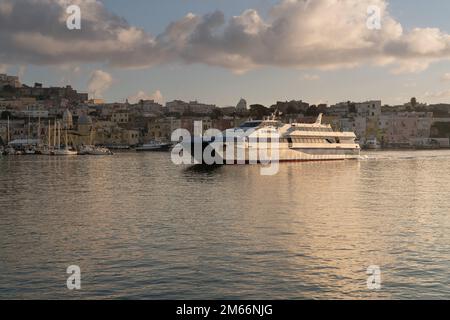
{"points": [[140, 227]]}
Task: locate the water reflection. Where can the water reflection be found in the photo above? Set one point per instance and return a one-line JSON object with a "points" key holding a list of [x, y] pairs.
{"points": [[140, 227]]}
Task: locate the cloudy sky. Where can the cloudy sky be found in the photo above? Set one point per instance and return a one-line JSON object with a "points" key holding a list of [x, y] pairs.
{"points": [[221, 50]]}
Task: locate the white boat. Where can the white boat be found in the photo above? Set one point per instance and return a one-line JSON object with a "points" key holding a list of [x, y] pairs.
{"points": [[10, 151], [30, 150], [372, 144], [47, 151], [272, 140], [65, 152], [94, 151], [154, 146]]}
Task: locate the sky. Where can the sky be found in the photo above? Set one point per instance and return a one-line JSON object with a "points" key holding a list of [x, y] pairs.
{"points": [[218, 51]]}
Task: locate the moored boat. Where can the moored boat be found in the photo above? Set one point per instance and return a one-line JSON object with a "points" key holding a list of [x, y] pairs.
{"points": [[372, 144], [65, 152], [154, 146], [94, 151]]}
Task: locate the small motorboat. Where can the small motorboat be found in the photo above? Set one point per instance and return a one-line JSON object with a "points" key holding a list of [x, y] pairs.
{"points": [[94, 151]]}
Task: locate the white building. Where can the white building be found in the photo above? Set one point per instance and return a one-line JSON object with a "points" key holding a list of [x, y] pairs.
{"points": [[34, 112], [341, 109], [150, 106], [178, 106], [12, 81], [368, 109]]}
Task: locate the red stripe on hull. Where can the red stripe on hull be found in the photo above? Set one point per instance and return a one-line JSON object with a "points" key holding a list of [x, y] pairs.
{"points": [[289, 161]]}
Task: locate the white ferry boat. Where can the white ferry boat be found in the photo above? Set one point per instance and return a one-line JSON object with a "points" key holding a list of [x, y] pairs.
{"points": [[277, 141]]}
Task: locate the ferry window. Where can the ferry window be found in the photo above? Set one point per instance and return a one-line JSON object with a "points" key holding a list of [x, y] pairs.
{"points": [[252, 124], [290, 142]]}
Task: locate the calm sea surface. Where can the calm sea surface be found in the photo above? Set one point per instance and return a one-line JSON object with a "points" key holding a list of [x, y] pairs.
{"points": [[140, 227]]}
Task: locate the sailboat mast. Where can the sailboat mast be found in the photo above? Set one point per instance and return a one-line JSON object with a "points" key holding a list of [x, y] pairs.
{"points": [[29, 129], [49, 142], [54, 134], [59, 135], [66, 138], [8, 136], [39, 130]]}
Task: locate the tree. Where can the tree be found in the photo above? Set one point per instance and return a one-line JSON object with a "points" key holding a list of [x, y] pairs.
{"points": [[259, 111], [291, 110], [8, 88], [312, 111], [216, 114], [5, 115]]}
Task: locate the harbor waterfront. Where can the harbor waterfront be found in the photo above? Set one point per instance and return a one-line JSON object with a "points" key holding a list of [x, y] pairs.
{"points": [[140, 227]]}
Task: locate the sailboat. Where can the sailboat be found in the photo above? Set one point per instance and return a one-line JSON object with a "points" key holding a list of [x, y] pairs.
{"points": [[9, 150], [48, 150], [66, 151], [94, 150], [29, 149]]}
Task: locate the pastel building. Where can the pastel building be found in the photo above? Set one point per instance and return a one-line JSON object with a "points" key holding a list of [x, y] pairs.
{"points": [[401, 129]]}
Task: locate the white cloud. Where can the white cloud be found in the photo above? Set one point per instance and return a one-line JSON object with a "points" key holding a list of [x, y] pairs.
{"points": [[6, 7], [99, 82], [319, 34], [445, 77], [310, 77], [437, 96], [21, 72], [4, 68], [410, 84], [157, 96]]}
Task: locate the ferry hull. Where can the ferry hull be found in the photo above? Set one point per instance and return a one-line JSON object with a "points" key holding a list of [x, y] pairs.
{"points": [[258, 155]]}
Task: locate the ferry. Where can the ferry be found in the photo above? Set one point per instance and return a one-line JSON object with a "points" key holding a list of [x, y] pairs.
{"points": [[278, 141]]}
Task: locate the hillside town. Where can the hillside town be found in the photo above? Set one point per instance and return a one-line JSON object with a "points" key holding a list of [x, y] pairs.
{"points": [[31, 114]]}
